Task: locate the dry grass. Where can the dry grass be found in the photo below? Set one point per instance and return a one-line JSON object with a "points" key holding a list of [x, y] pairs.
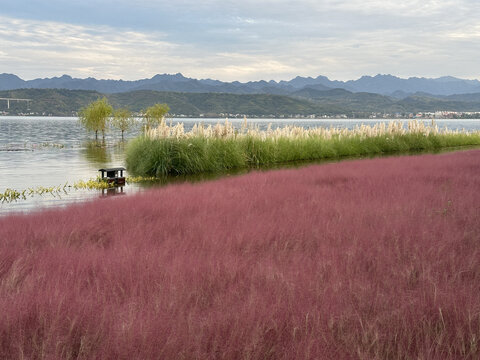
{"points": [[292, 132]]}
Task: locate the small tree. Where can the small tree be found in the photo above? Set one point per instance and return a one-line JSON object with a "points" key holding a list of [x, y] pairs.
{"points": [[122, 120], [95, 116], [154, 115]]}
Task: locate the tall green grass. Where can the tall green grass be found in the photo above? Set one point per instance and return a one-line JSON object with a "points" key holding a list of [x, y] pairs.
{"points": [[170, 151]]}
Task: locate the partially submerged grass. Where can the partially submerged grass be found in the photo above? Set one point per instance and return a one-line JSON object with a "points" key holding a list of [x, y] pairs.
{"points": [[371, 259], [169, 150], [10, 195]]}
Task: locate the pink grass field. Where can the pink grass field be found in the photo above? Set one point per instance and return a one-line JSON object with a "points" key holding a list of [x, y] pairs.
{"points": [[366, 259]]}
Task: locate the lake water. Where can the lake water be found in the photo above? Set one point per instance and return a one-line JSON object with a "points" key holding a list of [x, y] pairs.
{"points": [[52, 151]]}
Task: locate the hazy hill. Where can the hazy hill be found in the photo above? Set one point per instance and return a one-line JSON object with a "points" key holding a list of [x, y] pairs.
{"points": [[388, 84], [60, 102], [306, 101], [360, 101], [379, 84], [68, 102]]}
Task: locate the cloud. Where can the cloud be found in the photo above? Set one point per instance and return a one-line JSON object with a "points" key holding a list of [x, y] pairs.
{"points": [[248, 40], [53, 48]]}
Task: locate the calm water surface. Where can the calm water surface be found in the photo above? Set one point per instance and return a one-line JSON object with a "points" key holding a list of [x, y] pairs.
{"points": [[52, 151]]}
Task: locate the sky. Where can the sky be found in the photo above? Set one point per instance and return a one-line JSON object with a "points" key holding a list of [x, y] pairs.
{"points": [[240, 40]]}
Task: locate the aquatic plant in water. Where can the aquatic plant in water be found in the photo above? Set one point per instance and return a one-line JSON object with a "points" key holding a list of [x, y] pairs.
{"points": [[10, 195], [170, 150]]}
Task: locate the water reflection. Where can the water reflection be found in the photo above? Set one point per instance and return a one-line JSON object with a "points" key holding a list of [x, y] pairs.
{"points": [[118, 190], [96, 152]]}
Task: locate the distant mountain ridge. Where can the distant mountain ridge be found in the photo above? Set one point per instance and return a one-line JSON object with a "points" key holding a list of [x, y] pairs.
{"points": [[380, 84], [305, 102]]}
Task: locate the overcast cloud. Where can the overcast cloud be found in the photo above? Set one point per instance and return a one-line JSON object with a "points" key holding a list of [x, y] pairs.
{"points": [[251, 40]]}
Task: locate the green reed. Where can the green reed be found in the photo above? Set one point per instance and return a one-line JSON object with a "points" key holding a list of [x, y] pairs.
{"points": [[169, 150]]}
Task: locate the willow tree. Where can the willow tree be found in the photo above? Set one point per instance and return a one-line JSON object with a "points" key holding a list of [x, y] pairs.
{"points": [[95, 116], [122, 120], [154, 115]]}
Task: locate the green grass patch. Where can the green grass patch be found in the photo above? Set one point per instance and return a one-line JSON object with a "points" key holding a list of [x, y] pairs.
{"points": [[200, 152]]}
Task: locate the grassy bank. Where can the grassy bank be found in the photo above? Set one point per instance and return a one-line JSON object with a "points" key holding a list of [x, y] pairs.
{"points": [[169, 150], [367, 259]]}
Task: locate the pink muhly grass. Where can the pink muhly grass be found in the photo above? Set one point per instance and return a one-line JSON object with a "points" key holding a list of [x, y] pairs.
{"points": [[368, 259]]}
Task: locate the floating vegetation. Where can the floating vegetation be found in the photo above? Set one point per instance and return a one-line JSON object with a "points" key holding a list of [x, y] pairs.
{"points": [[13, 195], [91, 184], [140, 179], [32, 147], [16, 149], [52, 145], [10, 195]]}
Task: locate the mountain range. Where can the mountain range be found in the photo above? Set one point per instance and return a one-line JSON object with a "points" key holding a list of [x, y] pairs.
{"points": [[388, 85], [304, 102]]}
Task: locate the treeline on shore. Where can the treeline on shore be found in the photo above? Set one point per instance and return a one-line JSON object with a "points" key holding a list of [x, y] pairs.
{"points": [[62, 102]]}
